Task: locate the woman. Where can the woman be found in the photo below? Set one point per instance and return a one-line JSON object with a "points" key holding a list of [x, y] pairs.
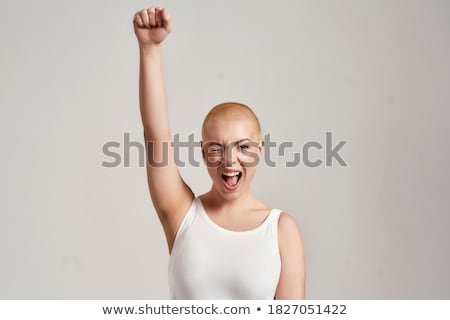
{"points": [[225, 244]]}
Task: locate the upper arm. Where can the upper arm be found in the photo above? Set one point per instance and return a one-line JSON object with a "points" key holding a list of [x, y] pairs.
{"points": [[170, 195], [291, 284]]}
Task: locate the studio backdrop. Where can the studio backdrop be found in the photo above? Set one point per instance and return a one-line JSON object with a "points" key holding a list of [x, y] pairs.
{"points": [[353, 98]]}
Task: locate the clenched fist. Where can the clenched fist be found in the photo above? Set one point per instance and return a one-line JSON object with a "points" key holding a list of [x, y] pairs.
{"points": [[152, 26]]}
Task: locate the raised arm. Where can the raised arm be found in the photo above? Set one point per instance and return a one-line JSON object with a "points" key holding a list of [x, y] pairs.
{"points": [[170, 195]]}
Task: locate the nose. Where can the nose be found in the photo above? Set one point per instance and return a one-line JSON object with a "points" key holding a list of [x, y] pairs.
{"points": [[230, 156]]}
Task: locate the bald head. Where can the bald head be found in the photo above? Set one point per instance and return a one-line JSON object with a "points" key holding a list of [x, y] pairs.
{"points": [[231, 111]]}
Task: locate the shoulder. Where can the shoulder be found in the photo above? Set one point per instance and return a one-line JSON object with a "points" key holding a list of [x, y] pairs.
{"points": [[287, 224], [288, 231]]}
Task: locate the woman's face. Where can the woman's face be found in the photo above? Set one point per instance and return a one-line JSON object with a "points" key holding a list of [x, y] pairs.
{"points": [[231, 149]]}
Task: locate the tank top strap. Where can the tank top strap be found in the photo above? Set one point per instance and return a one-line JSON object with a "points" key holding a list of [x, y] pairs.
{"points": [[274, 217]]}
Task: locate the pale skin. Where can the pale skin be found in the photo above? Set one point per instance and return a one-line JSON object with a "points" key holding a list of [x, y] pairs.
{"points": [[236, 209]]}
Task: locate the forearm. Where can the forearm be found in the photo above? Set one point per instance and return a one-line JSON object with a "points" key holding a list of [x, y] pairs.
{"points": [[152, 95]]}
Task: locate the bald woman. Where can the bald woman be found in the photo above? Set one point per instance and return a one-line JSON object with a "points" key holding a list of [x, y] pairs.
{"points": [[226, 243]]}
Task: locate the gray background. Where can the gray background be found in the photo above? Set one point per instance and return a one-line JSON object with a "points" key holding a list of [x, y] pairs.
{"points": [[375, 73]]}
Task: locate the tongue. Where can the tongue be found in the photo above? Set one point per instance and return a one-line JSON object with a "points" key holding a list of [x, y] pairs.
{"points": [[231, 181]]}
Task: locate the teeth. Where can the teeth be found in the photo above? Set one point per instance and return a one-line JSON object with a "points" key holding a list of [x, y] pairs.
{"points": [[231, 174]]}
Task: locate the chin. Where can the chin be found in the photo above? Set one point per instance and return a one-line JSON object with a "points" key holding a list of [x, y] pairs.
{"points": [[231, 195]]}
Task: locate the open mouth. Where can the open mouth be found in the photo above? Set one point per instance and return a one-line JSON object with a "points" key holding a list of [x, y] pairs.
{"points": [[231, 179]]}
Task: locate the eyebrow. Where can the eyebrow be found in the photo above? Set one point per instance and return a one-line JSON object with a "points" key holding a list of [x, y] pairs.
{"points": [[216, 143], [246, 139]]}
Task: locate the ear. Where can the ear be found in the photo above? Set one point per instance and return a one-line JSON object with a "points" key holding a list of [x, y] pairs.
{"points": [[201, 148], [261, 147]]}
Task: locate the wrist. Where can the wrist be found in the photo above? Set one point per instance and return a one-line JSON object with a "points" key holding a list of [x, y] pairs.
{"points": [[149, 48]]}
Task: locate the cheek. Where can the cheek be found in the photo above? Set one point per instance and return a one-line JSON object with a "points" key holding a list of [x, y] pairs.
{"points": [[250, 173], [212, 173], [249, 159], [211, 161]]}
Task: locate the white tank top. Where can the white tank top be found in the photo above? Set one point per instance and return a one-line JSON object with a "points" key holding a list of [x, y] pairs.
{"points": [[210, 262]]}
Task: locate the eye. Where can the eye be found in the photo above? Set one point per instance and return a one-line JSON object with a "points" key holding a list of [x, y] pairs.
{"points": [[244, 147], [215, 150]]}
